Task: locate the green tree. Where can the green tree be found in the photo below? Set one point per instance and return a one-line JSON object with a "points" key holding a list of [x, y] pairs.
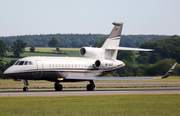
{"points": [[12, 62], [100, 41], [18, 47], [74, 44], [126, 55], [176, 54], [32, 49], [160, 68], [53, 42], [58, 50], [3, 49]]}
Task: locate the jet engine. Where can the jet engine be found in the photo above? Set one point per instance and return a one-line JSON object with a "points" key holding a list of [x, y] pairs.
{"points": [[91, 52], [103, 64]]}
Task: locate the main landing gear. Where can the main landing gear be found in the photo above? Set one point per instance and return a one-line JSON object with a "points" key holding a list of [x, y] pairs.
{"points": [[58, 87], [25, 88], [91, 86]]}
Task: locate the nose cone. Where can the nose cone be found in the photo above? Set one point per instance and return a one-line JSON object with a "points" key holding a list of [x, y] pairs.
{"points": [[8, 72], [12, 72], [19, 72]]}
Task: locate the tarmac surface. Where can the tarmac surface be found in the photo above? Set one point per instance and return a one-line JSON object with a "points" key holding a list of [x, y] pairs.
{"points": [[84, 92]]}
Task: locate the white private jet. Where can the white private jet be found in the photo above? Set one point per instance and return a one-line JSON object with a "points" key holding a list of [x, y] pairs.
{"points": [[95, 62]]}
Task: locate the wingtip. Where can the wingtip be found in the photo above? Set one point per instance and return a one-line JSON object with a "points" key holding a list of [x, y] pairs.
{"points": [[169, 72]]}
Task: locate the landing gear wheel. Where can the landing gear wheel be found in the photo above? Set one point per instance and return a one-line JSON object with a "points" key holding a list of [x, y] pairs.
{"points": [[25, 88], [90, 87], [58, 87]]}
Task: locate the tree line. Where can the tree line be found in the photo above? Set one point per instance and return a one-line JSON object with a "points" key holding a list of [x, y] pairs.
{"points": [[79, 40], [166, 53]]}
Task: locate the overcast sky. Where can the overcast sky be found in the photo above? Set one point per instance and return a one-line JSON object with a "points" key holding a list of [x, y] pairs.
{"points": [[24, 17]]}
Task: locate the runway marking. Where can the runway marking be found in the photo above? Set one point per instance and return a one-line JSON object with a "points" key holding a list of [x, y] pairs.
{"points": [[83, 92]]}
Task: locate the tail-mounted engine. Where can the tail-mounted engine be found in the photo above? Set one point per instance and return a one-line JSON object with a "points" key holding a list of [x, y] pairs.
{"points": [[103, 64], [91, 52]]}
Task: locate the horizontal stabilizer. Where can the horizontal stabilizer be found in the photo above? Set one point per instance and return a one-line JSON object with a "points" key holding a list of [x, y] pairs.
{"points": [[128, 48]]}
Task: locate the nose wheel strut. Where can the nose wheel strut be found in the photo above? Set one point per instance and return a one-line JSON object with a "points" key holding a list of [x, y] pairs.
{"points": [[25, 88]]}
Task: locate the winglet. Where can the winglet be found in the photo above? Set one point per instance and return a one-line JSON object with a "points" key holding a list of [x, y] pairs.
{"points": [[169, 72]]}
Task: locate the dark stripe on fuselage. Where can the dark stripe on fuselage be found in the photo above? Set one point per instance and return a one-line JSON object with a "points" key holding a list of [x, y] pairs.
{"points": [[52, 74]]}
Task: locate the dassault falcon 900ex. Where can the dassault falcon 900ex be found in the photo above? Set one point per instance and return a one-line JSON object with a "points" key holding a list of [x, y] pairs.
{"points": [[95, 63]]}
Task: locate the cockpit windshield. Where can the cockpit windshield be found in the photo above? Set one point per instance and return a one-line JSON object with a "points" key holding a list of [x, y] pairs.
{"points": [[16, 63], [23, 63]]}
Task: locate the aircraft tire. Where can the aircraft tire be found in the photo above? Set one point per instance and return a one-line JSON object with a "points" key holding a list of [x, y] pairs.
{"points": [[58, 87], [25, 88], [90, 87]]}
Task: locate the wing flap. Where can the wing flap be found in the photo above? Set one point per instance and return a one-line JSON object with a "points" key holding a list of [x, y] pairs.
{"points": [[122, 79], [109, 78], [80, 78]]}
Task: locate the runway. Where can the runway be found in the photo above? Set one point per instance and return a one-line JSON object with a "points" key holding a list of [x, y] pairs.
{"points": [[83, 92]]}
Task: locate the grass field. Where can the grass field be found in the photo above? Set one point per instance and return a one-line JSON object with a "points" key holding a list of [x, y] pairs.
{"points": [[72, 52], [108, 105]]}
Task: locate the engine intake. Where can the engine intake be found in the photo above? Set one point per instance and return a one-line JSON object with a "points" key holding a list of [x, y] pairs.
{"points": [[82, 51], [103, 64], [97, 64], [91, 52]]}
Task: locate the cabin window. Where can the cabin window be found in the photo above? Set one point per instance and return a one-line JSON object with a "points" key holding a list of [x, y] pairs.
{"points": [[21, 63], [26, 62], [62, 66], [16, 63], [30, 63]]}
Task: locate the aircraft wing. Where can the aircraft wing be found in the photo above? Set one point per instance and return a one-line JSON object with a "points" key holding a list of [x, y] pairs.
{"points": [[128, 48], [107, 78], [122, 78]]}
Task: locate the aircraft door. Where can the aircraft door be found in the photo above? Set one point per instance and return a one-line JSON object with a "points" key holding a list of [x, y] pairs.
{"points": [[39, 69]]}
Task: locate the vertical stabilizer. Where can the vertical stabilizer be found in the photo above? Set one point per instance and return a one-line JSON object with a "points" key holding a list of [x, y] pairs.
{"points": [[113, 41], [116, 32]]}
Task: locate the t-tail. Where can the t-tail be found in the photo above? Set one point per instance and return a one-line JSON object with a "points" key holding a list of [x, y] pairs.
{"points": [[110, 47], [113, 41]]}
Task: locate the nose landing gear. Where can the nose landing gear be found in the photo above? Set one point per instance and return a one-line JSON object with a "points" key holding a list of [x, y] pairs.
{"points": [[25, 88]]}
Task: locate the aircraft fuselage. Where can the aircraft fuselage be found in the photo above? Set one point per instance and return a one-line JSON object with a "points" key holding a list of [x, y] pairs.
{"points": [[58, 68]]}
